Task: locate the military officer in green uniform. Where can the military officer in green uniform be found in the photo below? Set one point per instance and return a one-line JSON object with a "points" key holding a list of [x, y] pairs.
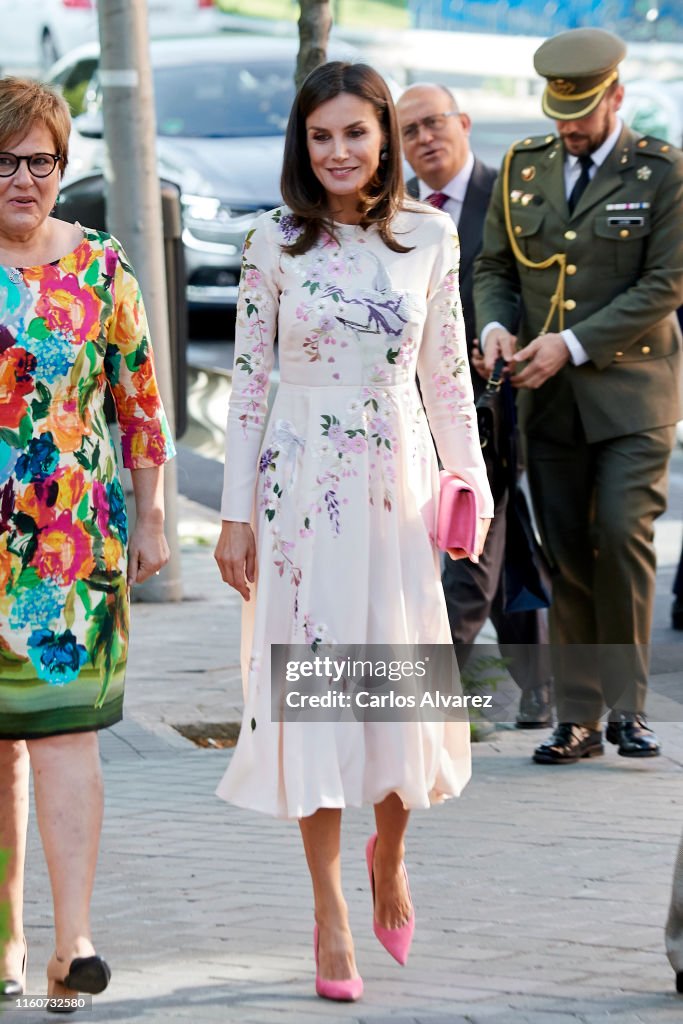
{"points": [[583, 260]]}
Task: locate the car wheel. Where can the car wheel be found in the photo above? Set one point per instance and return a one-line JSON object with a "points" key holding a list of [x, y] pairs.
{"points": [[48, 50]]}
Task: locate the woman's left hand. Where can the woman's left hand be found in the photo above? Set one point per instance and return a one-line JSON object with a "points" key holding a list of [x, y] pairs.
{"points": [[482, 530], [148, 551]]}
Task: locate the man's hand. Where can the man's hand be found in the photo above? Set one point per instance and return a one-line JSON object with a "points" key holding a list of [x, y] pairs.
{"points": [[545, 356], [499, 342]]}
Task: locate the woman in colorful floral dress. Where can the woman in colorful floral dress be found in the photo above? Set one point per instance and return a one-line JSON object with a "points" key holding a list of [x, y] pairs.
{"points": [[326, 498], [71, 321]]}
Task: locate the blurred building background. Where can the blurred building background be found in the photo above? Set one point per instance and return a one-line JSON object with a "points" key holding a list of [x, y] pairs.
{"points": [[635, 20]]}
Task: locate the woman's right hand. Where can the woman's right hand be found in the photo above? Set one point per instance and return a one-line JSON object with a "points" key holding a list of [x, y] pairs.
{"points": [[236, 556]]}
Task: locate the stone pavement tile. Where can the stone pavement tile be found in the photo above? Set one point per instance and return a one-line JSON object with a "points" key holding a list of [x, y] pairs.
{"points": [[523, 887], [523, 1017], [665, 1015], [457, 1016], [611, 1004]]}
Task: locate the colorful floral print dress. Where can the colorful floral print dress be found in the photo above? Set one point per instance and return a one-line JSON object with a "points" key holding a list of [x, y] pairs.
{"points": [[66, 330], [335, 481]]}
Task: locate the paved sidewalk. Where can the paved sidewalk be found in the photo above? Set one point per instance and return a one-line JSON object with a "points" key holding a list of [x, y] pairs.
{"points": [[541, 894]]}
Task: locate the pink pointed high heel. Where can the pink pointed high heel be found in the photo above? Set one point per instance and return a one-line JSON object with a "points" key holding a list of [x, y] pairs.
{"points": [[395, 940], [346, 990]]}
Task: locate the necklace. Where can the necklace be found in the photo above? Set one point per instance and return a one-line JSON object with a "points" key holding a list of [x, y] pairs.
{"points": [[14, 275]]}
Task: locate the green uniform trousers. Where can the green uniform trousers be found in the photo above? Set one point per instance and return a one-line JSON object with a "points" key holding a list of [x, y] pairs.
{"points": [[596, 505]]}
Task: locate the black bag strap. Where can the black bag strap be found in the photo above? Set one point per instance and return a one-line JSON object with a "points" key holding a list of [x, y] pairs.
{"points": [[497, 421], [496, 379]]}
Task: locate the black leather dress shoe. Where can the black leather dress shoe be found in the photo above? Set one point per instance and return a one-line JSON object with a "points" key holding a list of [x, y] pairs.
{"points": [[534, 709], [633, 736], [569, 743], [679, 981]]}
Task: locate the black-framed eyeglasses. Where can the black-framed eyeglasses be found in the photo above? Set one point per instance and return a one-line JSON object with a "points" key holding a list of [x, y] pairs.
{"points": [[40, 165], [434, 123]]}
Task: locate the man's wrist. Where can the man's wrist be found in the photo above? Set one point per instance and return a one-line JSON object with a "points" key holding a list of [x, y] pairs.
{"points": [[487, 330], [577, 352]]}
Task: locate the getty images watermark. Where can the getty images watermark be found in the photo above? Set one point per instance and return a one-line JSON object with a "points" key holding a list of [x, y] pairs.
{"points": [[422, 682], [375, 682]]}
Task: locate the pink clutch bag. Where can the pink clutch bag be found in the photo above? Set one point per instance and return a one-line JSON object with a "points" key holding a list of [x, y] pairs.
{"points": [[457, 515]]}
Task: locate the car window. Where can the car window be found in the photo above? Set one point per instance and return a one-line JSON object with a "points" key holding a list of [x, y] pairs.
{"points": [[77, 85], [219, 100]]}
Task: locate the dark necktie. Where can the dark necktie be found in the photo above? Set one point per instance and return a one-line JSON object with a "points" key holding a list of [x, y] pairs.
{"points": [[437, 199], [581, 183]]}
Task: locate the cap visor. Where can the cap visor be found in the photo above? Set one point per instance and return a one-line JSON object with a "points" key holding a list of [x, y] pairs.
{"points": [[569, 110]]}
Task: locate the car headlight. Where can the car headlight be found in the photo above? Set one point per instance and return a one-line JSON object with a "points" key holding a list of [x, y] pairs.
{"points": [[200, 207]]}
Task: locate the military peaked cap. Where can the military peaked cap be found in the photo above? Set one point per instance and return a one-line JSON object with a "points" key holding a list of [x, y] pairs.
{"points": [[580, 65]]}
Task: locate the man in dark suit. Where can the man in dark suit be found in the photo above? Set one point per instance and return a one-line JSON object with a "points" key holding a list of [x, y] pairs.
{"points": [[583, 260], [436, 145]]}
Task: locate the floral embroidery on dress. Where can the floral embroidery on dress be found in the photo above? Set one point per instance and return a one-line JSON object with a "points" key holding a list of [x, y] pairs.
{"points": [[336, 458], [341, 310], [451, 378], [316, 633], [343, 554]]}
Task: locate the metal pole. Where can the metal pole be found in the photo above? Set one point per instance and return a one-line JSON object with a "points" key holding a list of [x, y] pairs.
{"points": [[134, 215]]}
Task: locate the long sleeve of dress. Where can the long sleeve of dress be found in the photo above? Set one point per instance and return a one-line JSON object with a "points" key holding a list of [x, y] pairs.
{"points": [[129, 365], [256, 326], [444, 375]]}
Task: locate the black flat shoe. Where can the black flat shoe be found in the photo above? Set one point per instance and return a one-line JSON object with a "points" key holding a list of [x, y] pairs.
{"points": [[633, 736], [89, 974], [569, 743], [679, 981], [12, 988], [677, 614]]}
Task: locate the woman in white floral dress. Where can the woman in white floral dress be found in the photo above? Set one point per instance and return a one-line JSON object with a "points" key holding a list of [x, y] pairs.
{"points": [[323, 531]]}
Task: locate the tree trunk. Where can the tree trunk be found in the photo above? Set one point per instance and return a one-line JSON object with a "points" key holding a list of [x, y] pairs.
{"points": [[134, 215], [315, 23]]}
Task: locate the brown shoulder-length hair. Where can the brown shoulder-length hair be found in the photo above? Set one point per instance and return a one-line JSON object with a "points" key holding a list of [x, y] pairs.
{"points": [[382, 197], [24, 104]]}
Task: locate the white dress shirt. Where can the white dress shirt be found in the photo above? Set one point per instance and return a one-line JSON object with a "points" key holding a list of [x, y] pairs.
{"points": [[572, 171], [455, 189]]}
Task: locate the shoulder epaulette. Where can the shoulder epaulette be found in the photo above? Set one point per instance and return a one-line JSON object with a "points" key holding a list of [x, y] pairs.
{"points": [[648, 145], [533, 142]]}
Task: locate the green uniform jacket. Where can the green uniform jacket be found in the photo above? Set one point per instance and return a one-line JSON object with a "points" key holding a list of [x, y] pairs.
{"points": [[624, 250]]}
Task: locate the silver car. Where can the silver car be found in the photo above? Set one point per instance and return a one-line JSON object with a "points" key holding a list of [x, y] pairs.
{"points": [[222, 105]]}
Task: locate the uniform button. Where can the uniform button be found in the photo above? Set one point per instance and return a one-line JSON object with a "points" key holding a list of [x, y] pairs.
{"points": [[570, 304], [570, 235], [624, 233], [664, 149], [617, 354], [527, 142], [646, 350], [571, 269], [518, 229], [642, 144], [549, 138]]}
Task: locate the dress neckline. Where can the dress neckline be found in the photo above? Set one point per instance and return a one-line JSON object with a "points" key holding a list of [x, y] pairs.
{"points": [[9, 268], [340, 225]]}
